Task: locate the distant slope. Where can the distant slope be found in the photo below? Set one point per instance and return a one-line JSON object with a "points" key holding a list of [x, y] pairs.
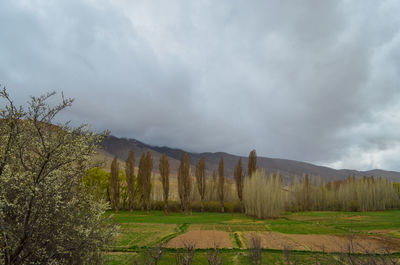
{"points": [[120, 147], [288, 168]]}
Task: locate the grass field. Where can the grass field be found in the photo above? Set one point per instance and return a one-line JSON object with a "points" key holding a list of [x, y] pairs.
{"points": [[139, 231]]}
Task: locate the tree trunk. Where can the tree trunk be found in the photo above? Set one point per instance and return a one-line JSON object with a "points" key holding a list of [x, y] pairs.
{"points": [[242, 206], [202, 205], [166, 207]]}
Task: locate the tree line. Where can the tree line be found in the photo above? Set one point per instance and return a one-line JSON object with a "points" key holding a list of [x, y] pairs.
{"points": [[139, 186], [255, 193], [267, 196]]}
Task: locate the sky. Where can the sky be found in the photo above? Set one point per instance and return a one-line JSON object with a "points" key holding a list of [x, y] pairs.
{"points": [[315, 81]]}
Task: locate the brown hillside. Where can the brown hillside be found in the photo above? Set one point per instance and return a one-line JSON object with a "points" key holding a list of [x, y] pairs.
{"points": [[288, 168]]}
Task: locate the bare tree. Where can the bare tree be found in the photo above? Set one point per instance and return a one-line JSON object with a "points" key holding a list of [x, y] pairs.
{"points": [[255, 249], [201, 180], [213, 257], [155, 254], [252, 165], [187, 257], [221, 182], [239, 178], [164, 175], [115, 183], [130, 179], [151, 257]]}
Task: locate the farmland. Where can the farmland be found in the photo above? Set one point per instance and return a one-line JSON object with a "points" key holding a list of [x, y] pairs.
{"points": [[308, 235]]}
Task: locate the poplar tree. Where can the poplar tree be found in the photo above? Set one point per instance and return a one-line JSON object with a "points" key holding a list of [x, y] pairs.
{"points": [[130, 179], [201, 180], [221, 182], [180, 180], [184, 182], [141, 180], [147, 180], [164, 173], [115, 183], [252, 164], [239, 178], [306, 193], [215, 185]]}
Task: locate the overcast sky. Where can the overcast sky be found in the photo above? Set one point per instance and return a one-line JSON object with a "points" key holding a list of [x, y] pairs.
{"points": [[316, 81]]}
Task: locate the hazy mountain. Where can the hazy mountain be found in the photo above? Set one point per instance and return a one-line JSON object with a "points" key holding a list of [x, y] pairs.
{"points": [[288, 168]]}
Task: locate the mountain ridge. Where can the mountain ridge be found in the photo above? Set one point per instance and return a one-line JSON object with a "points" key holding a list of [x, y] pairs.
{"points": [[288, 168]]}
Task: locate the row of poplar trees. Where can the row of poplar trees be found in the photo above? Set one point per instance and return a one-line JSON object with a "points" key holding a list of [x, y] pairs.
{"points": [[143, 181], [184, 180]]}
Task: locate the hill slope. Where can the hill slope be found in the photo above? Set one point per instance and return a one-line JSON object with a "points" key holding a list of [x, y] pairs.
{"points": [[288, 168]]}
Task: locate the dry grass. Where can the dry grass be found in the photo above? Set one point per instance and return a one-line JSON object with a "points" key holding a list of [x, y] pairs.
{"points": [[142, 234]]}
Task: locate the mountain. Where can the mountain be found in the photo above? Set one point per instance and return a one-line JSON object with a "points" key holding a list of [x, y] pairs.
{"points": [[120, 147]]}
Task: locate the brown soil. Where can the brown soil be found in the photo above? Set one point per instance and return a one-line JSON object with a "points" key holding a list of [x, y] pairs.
{"points": [[328, 243], [356, 244], [202, 239], [275, 240]]}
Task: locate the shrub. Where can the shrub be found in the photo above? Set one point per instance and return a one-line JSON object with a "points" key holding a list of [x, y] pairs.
{"points": [[46, 213], [353, 206], [173, 206], [215, 206], [209, 206]]}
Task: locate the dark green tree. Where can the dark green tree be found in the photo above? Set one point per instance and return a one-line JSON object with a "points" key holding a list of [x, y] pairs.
{"points": [[252, 165], [239, 178]]}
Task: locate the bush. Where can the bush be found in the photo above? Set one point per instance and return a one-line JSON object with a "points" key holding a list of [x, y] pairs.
{"points": [[209, 206], [173, 206], [46, 213], [215, 207], [353, 206]]}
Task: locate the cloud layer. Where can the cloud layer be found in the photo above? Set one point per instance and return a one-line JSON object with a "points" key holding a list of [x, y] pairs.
{"points": [[316, 81]]}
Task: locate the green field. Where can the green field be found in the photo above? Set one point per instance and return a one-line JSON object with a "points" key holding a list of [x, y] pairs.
{"points": [[140, 231]]}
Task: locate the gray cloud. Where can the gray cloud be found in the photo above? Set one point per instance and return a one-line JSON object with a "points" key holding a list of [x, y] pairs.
{"points": [[315, 81]]}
